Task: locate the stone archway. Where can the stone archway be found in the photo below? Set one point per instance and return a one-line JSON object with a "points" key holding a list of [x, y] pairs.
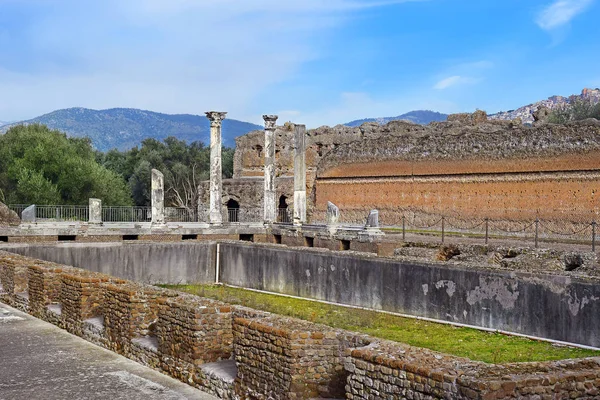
{"points": [[283, 214], [233, 211]]}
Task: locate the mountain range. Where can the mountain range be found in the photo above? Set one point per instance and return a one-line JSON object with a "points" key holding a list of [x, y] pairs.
{"points": [[422, 117], [124, 128]]}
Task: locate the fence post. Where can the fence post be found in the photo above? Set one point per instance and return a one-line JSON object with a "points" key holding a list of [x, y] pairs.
{"points": [[403, 229], [537, 222], [443, 219], [594, 236], [486, 230]]}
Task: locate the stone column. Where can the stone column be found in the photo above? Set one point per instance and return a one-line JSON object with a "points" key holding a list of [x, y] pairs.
{"points": [[300, 175], [95, 211], [270, 201], [216, 171], [158, 198]]}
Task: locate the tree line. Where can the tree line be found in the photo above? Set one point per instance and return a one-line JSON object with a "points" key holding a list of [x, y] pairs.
{"points": [[43, 166]]}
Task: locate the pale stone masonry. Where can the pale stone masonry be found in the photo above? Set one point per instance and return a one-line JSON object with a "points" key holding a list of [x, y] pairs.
{"points": [[95, 216], [300, 175], [158, 197], [270, 202], [216, 170]]}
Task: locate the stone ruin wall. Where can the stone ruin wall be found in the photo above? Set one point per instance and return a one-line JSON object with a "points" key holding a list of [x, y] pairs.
{"points": [[275, 357], [483, 169], [469, 166]]}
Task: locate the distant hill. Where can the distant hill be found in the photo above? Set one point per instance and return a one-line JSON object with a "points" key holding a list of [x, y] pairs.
{"points": [[422, 117], [124, 128], [526, 112]]}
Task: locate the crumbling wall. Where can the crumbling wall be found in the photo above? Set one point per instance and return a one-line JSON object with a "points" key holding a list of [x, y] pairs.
{"points": [[471, 167], [8, 217], [392, 370], [285, 358]]}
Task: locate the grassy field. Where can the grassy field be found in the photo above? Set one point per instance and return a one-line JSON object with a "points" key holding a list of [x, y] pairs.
{"points": [[464, 342]]}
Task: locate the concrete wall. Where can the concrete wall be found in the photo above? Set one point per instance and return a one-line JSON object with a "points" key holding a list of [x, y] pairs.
{"points": [[555, 307], [174, 263]]}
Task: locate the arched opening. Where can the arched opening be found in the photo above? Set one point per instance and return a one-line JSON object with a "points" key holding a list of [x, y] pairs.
{"points": [[233, 211], [282, 210]]}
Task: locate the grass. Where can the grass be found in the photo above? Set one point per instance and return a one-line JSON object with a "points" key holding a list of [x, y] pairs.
{"points": [[464, 342]]}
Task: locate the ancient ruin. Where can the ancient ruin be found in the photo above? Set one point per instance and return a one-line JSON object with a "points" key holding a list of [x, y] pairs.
{"points": [[345, 242]]}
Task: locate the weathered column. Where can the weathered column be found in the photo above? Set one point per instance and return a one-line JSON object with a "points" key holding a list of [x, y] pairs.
{"points": [[270, 201], [216, 118], [300, 175], [95, 211], [158, 198]]}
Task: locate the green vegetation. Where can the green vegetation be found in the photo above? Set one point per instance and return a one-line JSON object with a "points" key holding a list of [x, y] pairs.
{"points": [[43, 166], [463, 342], [184, 167], [578, 110]]}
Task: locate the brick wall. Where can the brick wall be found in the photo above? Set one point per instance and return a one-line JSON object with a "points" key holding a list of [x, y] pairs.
{"points": [[277, 357], [284, 358]]}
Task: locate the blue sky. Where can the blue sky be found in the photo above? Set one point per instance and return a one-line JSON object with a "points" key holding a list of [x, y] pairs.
{"points": [[310, 61]]}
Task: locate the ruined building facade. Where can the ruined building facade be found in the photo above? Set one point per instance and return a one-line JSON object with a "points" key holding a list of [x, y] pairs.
{"points": [[469, 166]]}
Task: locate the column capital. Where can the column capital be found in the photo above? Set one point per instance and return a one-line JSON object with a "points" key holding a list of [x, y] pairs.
{"points": [[270, 121], [215, 117]]}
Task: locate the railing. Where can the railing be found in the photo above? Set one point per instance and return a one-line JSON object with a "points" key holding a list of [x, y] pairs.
{"points": [[126, 214], [244, 215], [180, 214], [285, 215], [568, 229], [61, 213], [18, 208]]}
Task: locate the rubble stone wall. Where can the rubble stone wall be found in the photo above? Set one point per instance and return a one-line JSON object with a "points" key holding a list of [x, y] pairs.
{"points": [[391, 370], [283, 358], [279, 357]]}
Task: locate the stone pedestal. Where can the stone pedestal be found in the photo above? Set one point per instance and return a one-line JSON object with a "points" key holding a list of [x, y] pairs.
{"points": [[270, 201], [300, 175], [95, 211], [216, 119], [333, 217], [28, 214], [158, 198]]}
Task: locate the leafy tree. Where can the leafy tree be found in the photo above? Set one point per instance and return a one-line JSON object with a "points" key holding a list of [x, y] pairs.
{"points": [[184, 167], [577, 110], [43, 166]]}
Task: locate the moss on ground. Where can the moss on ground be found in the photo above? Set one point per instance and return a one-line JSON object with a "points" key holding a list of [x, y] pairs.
{"points": [[464, 342]]}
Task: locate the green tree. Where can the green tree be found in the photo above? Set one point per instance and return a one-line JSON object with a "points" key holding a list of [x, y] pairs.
{"points": [[43, 166], [577, 110]]}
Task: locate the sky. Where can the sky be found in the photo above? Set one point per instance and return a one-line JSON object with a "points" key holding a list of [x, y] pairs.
{"points": [[316, 62]]}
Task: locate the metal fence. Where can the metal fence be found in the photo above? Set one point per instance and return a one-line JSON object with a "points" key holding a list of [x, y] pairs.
{"points": [[285, 215], [54, 213], [126, 214], [576, 229]]}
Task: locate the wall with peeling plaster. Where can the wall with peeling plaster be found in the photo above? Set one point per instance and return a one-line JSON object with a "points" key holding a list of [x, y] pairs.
{"points": [[555, 307]]}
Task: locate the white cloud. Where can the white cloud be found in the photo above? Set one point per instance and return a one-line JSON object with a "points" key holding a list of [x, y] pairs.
{"points": [[455, 80], [178, 56], [561, 12]]}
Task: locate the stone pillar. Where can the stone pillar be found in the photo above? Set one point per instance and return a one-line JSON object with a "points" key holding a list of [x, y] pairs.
{"points": [[270, 200], [28, 214], [300, 175], [95, 211], [158, 198], [216, 171]]}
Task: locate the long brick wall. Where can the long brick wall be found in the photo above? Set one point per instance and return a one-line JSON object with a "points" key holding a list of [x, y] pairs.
{"points": [[272, 356], [486, 169]]}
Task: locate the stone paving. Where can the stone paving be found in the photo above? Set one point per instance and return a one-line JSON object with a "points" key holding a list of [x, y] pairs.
{"points": [[41, 361]]}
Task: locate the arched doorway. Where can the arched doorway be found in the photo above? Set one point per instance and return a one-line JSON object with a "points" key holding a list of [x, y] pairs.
{"points": [[233, 211], [283, 215]]}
